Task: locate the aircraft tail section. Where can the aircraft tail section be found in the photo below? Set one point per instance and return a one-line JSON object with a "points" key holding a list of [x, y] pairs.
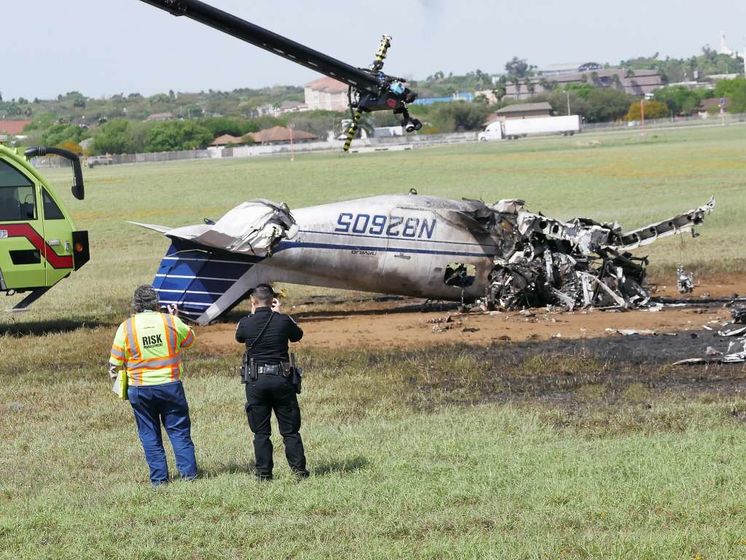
{"points": [[202, 283]]}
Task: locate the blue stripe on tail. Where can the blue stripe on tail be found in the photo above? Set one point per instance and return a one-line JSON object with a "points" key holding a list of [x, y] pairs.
{"points": [[194, 279]]}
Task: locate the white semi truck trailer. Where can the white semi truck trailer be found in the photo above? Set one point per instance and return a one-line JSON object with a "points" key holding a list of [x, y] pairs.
{"points": [[516, 128]]}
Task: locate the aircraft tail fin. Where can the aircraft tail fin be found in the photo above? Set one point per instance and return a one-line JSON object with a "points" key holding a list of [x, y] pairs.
{"points": [[201, 283]]}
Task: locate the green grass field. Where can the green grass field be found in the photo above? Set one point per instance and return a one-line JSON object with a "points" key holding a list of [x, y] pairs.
{"points": [[410, 456]]}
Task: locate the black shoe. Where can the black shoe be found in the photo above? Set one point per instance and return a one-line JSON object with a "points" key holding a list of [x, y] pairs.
{"points": [[301, 474], [264, 477]]}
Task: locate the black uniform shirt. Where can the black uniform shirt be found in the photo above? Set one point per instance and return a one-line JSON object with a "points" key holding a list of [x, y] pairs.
{"points": [[273, 345]]}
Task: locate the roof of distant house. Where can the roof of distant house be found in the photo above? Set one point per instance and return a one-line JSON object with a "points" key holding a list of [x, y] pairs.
{"points": [[226, 139], [641, 80], [281, 134], [160, 117], [291, 104], [524, 107], [13, 127], [329, 85], [713, 102]]}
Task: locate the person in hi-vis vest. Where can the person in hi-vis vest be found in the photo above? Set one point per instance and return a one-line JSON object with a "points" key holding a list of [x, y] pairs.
{"points": [[148, 346]]}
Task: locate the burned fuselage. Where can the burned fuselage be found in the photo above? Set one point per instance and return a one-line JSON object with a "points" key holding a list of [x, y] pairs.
{"points": [[411, 245]]}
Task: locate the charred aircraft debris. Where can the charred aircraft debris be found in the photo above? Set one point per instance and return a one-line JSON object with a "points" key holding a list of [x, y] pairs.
{"points": [[736, 351], [576, 264]]}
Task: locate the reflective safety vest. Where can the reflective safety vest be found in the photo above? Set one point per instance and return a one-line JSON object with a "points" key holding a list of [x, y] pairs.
{"points": [[149, 345]]}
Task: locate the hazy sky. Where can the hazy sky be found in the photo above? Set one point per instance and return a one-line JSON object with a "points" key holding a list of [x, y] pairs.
{"points": [[103, 47]]}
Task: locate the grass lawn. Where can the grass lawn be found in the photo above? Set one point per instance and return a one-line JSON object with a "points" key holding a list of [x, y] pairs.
{"points": [[400, 469]]}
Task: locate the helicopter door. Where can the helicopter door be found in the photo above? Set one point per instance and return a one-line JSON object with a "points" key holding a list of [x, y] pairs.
{"points": [[22, 265]]}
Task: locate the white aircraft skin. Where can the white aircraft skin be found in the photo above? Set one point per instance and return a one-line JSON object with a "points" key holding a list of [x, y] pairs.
{"points": [[387, 244], [392, 244]]}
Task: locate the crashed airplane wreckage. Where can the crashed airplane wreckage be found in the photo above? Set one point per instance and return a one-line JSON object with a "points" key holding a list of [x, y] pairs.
{"points": [[421, 246], [580, 263]]}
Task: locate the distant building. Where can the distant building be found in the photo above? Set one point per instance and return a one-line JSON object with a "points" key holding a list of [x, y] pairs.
{"points": [[524, 110], [262, 110], [634, 82], [568, 68], [291, 107], [326, 94], [281, 135], [725, 49], [458, 96], [488, 94], [226, 140], [160, 117], [714, 104], [13, 127]]}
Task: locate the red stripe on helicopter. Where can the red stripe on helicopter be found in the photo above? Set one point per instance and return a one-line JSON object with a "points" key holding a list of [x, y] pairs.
{"points": [[25, 230]]}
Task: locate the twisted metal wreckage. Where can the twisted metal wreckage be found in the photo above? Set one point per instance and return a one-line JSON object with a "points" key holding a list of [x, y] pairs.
{"points": [[575, 264], [736, 351]]}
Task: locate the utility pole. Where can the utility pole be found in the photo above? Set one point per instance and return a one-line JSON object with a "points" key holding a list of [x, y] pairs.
{"points": [[291, 126], [567, 94], [642, 113]]}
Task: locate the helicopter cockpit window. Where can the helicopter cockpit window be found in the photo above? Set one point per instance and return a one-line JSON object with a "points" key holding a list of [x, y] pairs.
{"points": [[17, 196]]}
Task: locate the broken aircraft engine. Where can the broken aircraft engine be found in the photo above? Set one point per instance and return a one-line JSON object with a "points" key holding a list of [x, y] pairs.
{"points": [[576, 264]]}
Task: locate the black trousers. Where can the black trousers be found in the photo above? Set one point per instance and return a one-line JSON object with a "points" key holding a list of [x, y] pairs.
{"points": [[263, 395]]}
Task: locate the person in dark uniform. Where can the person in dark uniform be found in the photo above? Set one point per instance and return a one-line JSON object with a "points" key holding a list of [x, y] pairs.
{"points": [[266, 333]]}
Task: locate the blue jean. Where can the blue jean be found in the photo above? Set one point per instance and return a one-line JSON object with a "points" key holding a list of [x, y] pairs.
{"points": [[167, 405]]}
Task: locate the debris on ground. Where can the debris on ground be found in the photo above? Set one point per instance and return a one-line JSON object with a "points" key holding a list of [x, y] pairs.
{"points": [[630, 332], [443, 324], [738, 312], [736, 352], [684, 280]]}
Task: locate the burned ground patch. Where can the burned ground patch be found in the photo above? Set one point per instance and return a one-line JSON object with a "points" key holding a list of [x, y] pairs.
{"points": [[557, 369], [632, 369]]}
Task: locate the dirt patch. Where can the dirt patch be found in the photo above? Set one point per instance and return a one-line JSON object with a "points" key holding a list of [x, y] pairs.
{"points": [[563, 358], [396, 325], [571, 358], [401, 322]]}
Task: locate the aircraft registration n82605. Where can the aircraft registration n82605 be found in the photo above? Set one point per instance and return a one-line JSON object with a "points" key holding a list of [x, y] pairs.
{"points": [[389, 226], [412, 245]]}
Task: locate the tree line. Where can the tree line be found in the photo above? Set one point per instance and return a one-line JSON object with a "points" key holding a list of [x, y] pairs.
{"points": [[119, 124]]}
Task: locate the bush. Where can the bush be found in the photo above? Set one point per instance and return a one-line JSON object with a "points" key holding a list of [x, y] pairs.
{"points": [[458, 116], [115, 137], [735, 91], [653, 110], [176, 135], [60, 133]]}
